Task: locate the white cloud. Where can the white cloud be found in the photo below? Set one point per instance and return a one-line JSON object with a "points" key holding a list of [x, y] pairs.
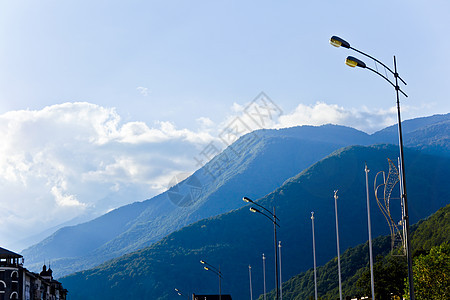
{"points": [[143, 91], [205, 123], [64, 199]]}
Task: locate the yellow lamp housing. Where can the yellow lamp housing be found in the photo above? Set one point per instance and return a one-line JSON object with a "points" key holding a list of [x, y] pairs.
{"points": [[246, 199], [338, 42], [354, 62], [254, 210]]}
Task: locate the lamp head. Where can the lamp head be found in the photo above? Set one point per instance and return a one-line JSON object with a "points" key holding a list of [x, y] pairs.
{"points": [[254, 210], [338, 42], [206, 268], [246, 199], [202, 261], [354, 62]]}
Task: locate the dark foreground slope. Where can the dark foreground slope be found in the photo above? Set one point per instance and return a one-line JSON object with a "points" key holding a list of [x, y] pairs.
{"points": [[237, 239], [425, 234]]}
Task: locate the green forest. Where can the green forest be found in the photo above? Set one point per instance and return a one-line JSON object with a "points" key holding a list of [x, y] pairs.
{"points": [[431, 267]]}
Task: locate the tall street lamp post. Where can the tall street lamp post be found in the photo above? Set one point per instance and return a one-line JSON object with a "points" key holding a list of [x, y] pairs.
{"points": [[216, 271], [273, 218], [354, 62], [372, 281], [281, 280], [264, 274], [314, 256], [250, 280], [337, 243]]}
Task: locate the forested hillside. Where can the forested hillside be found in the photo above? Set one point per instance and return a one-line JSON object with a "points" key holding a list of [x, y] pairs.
{"points": [[390, 271]]}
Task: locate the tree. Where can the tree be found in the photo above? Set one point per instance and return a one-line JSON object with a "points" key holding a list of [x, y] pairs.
{"points": [[389, 273], [432, 274]]}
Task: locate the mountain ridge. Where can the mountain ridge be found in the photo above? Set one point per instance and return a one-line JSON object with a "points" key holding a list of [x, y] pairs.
{"points": [[238, 238], [264, 159]]}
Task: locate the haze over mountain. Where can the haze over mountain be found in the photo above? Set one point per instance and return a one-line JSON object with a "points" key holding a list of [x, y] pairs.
{"points": [[430, 134], [238, 238], [257, 163]]}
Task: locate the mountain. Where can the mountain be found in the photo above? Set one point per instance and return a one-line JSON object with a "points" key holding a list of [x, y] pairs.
{"points": [[258, 163], [237, 239], [427, 233], [430, 134]]}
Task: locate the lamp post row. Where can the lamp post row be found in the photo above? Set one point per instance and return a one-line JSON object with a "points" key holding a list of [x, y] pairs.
{"points": [[354, 62], [209, 267]]}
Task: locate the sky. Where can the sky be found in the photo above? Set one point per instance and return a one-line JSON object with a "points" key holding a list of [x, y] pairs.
{"points": [[102, 103]]}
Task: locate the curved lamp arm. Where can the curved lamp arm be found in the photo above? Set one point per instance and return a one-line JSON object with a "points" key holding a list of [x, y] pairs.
{"points": [[338, 42], [254, 210], [214, 271], [246, 199], [209, 267], [354, 62]]}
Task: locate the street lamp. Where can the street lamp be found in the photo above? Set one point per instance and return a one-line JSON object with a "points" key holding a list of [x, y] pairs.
{"points": [[353, 62], [216, 271], [180, 293], [273, 218]]}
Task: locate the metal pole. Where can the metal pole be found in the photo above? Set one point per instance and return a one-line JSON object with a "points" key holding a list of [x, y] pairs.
{"points": [[403, 209], [276, 253], [372, 282], [402, 161], [314, 256], [264, 274], [337, 237], [220, 284], [281, 281], [250, 276]]}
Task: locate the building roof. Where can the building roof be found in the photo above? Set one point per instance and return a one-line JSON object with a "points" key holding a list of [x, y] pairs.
{"points": [[4, 253]]}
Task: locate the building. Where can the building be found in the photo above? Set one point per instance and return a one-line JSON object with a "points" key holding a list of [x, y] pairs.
{"points": [[16, 282]]}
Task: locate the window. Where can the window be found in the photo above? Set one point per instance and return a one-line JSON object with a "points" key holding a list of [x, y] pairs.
{"points": [[15, 275], [2, 286], [14, 295]]}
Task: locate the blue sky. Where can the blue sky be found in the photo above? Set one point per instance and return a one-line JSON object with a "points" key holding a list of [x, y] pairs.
{"points": [[103, 102]]}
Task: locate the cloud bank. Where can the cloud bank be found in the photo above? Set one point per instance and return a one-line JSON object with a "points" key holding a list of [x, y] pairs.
{"points": [[79, 158], [75, 159], [364, 119]]}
